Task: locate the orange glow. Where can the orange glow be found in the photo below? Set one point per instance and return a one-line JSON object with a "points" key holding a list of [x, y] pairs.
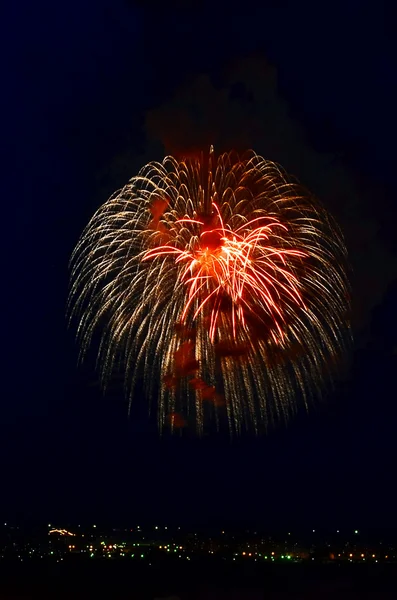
{"points": [[197, 383], [228, 348], [176, 421], [170, 381], [158, 207], [208, 393], [184, 360]]}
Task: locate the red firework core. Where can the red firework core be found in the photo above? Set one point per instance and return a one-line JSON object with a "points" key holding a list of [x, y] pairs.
{"points": [[211, 239]]}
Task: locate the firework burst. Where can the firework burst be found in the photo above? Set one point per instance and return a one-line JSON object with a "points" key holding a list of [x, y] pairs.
{"points": [[222, 282]]}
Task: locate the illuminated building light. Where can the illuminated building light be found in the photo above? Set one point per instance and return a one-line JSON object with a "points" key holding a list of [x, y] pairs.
{"points": [[351, 555], [62, 532]]}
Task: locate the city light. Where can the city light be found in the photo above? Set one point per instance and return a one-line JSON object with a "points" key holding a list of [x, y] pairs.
{"points": [[118, 543]]}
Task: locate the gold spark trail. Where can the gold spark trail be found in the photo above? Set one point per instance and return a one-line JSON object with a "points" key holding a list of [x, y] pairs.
{"points": [[221, 281]]}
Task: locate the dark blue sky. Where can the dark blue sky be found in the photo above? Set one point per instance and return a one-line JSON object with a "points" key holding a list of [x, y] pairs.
{"points": [[92, 91]]}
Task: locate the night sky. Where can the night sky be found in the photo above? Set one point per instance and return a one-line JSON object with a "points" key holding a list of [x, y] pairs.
{"points": [[91, 92]]}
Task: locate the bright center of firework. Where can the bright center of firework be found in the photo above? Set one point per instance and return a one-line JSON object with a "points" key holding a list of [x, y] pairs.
{"points": [[236, 270], [209, 257]]}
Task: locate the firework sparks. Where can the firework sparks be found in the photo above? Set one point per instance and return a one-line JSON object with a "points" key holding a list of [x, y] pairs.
{"points": [[223, 280]]}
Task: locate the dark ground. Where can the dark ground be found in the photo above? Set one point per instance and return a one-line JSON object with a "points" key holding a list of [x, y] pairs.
{"points": [[197, 582]]}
